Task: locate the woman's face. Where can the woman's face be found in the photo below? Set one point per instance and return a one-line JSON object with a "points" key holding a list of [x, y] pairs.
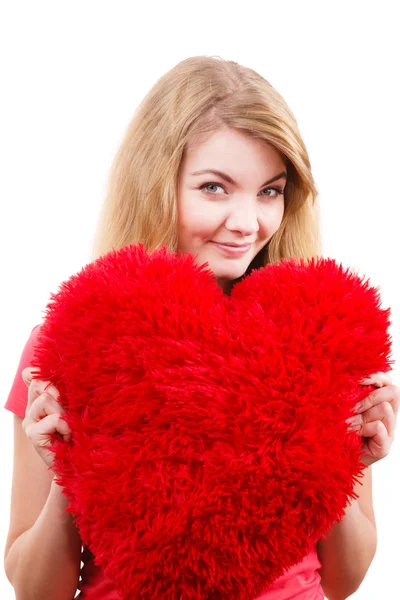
{"points": [[226, 218]]}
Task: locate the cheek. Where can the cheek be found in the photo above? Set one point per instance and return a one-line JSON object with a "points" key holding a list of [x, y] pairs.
{"points": [[196, 218], [272, 217]]}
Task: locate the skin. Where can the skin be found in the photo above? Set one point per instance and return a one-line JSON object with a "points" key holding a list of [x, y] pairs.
{"points": [[238, 213], [376, 417], [248, 212], [212, 210], [244, 212]]}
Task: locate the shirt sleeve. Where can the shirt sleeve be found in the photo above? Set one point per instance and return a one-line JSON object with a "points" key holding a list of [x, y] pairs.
{"points": [[18, 396]]}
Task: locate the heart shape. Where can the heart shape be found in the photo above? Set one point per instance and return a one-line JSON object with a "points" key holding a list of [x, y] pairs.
{"points": [[210, 450]]}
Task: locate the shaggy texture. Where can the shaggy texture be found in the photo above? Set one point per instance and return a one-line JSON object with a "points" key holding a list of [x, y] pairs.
{"points": [[210, 450]]}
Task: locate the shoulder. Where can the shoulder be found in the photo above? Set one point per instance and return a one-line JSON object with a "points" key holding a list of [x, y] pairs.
{"points": [[18, 395]]}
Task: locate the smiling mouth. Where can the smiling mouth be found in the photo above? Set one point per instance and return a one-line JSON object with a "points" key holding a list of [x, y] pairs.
{"points": [[232, 249], [232, 244]]}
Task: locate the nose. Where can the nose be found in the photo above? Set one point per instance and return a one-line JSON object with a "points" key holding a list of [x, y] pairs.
{"points": [[243, 218]]}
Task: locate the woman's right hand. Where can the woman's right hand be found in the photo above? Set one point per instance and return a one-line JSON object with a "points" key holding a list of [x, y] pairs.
{"points": [[43, 416]]}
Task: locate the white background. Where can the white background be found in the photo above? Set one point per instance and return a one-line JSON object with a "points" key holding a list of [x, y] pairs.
{"points": [[73, 73]]}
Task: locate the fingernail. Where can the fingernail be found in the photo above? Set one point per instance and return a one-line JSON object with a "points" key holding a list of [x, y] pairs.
{"points": [[355, 430], [354, 427], [357, 407]]}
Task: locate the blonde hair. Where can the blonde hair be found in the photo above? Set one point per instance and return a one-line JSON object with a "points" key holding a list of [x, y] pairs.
{"points": [[199, 96]]}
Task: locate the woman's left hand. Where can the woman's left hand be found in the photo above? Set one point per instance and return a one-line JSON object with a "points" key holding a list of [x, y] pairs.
{"points": [[376, 417]]}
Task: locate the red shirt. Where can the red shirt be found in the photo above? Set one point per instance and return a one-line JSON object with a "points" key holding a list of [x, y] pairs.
{"points": [[301, 582]]}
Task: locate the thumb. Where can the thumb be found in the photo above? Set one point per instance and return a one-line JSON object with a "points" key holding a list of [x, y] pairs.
{"points": [[27, 375]]}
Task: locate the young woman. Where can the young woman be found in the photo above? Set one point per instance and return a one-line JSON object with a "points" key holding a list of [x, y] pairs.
{"points": [[212, 164]]}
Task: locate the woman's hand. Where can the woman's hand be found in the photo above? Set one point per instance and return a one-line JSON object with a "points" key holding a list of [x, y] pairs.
{"points": [[376, 417], [43, 416]]}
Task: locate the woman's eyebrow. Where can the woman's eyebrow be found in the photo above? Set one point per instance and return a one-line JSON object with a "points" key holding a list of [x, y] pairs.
{"points": [[230, 180]]}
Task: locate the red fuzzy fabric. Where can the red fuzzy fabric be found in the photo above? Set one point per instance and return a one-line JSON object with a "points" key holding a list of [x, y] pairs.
{"points": [[210, 450]]}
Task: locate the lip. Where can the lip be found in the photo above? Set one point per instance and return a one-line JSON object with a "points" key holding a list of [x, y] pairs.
{"points": [[233, 249]]}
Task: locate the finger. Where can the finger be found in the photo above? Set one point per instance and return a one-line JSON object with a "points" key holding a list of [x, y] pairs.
{"points": [[27, 375], [43, 406], [396, 399], [377, 440], [382, 412], [38, 387], [389, 393], [378, 379], [50, 424]]}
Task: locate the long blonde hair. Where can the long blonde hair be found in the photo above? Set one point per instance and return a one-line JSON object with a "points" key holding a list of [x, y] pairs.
{"points": [[199, 96]]}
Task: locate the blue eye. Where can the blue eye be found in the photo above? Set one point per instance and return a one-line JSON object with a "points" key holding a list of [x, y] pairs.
{"points": [[278, 191], [210, 183]]}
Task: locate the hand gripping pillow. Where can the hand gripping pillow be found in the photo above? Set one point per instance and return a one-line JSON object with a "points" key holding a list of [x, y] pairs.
{"points": [[210, 450]]}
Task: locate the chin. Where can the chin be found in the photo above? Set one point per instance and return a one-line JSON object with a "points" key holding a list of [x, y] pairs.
{"points": [[230, 274]]}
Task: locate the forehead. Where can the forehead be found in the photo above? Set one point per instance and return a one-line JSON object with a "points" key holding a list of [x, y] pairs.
{"points": [[229, 147]]}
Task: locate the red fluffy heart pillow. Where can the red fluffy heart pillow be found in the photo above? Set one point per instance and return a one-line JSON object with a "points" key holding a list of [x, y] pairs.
{"points": [[210, 450]]}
